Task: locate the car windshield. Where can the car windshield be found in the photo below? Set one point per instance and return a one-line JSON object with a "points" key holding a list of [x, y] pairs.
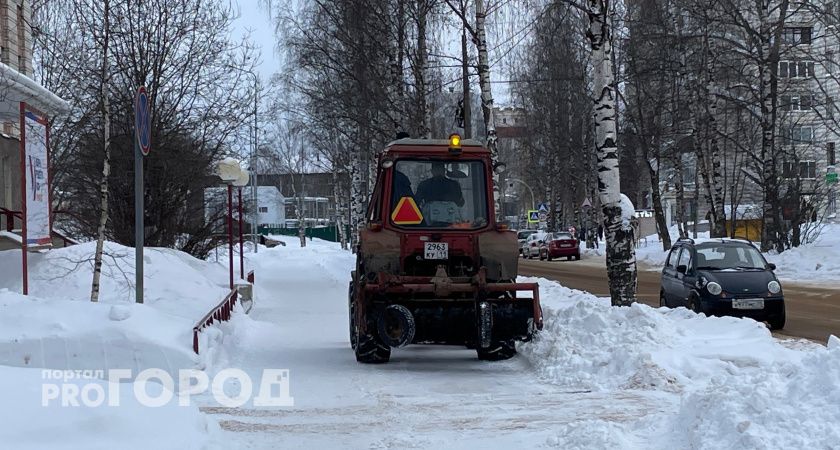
{"points": [[439, 194], [524, 234], [714, 256], [562, 236]]}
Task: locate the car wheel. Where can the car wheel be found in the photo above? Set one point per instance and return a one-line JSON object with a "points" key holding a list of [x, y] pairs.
{"points": [[568, 258], [778, 323], [549, 257], [577, 257], [663, 303], [542, 256], [695, 304]]}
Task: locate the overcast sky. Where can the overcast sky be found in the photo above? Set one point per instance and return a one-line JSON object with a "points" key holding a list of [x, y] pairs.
{"points": [[257, 20]]}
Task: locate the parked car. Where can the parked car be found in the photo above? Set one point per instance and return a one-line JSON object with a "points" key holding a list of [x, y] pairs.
{"points": [[560, 244], [522, 236], [723, 277], [531, 247]]}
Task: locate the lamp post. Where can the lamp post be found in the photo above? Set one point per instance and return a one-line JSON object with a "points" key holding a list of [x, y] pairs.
{"points": [[229, 171], [533, 201], [241, 181]]}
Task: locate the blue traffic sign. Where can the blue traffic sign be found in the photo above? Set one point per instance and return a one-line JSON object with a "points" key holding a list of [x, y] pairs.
{"points": [[143, 121]]}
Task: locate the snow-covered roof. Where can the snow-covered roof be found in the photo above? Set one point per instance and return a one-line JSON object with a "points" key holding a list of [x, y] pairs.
{"points": [[18, 87]]}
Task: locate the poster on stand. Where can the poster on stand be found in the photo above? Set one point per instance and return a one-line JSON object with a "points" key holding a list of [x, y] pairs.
{"points": [[36, 189]]}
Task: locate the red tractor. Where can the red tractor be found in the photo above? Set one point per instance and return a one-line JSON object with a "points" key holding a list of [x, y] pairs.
{"points": [[433, 266]]}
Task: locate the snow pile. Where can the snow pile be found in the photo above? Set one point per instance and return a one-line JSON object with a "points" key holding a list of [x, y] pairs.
{"points": [[175, 282], [739, 387], [60, 334], [27, 424], [817, 261], [628, 211]]}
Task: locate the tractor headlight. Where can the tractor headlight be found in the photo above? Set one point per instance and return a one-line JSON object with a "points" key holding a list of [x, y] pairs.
{"points": [[774, 287], [714, 288]]}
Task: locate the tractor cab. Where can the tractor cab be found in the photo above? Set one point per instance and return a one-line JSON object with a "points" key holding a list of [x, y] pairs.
{"points": [[432, 264]]}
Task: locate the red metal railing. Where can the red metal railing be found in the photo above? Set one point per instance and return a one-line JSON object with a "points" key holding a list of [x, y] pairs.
{"points": [[10, 218], [221, 313]]}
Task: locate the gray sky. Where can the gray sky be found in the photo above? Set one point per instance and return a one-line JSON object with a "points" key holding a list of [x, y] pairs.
{"points": [[257, 20]]}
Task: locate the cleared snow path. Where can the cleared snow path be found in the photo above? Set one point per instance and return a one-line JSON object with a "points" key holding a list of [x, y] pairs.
{"points": [[429, 397]]}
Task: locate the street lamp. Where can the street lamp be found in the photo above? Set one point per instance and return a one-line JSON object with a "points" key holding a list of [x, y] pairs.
{"points": [[253, 152], [241, 181], [229, 171]]}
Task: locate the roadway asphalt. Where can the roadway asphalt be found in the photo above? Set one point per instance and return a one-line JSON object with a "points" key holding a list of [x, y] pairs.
{"points": [[812, 312]]}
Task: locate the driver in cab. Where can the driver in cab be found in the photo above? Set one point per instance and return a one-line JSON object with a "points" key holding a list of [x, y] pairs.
{"points": [[438, 188]]}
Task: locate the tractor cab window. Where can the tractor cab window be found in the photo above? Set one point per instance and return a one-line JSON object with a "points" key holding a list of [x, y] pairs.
{"points": [[439, 194]]}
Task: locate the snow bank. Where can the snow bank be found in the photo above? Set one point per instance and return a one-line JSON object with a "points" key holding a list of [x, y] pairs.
{"points": [[175, 282], [739, 387], [817, 261], [27, 424]]}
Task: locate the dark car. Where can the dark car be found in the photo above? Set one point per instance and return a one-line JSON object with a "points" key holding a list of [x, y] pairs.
{"points": [[558, 245], [723, 277]]}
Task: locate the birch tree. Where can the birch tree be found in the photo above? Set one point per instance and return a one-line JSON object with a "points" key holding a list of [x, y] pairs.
{"points": [[105, 37], [621, 255]]}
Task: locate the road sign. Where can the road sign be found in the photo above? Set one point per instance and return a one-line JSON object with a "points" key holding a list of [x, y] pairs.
{"points": [[831, 178], [143, 120], [543, 207], [533, 216], [586, 203]]}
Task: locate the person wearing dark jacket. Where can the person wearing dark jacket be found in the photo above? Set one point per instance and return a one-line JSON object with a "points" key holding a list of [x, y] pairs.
{"points": [[438, 188]]}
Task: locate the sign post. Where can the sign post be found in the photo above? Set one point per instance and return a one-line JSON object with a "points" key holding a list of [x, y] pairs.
{"points": [[36, 228], [142, 144]]}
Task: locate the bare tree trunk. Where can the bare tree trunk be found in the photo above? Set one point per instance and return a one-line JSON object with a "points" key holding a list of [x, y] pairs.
{"points": [[465, 82], [487, 95], [621, 254], [339, 209], [424, 113], [106, 164], [357, 196], [658, 212], [772, 233]]}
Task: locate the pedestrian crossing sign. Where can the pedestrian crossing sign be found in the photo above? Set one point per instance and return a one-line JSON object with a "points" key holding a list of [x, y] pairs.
{"points": [[533, 216]]}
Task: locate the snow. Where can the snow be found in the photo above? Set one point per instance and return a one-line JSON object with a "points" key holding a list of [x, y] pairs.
{"points": [[597, 376], [736, 386], [628, 211], [29, 425], [57, 328]]}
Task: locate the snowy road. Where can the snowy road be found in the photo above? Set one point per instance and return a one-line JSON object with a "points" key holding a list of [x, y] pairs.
{"points": [[429, 397]]}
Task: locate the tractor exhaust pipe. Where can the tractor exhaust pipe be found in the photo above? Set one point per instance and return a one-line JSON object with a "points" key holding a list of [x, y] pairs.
{"points": [[396, 326]]}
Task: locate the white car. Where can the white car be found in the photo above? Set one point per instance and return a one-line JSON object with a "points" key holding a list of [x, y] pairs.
{"points": [[522, 236], [531, 247]]}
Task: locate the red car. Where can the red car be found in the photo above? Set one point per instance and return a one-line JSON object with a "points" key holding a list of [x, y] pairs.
{"points": [[559, 244]]}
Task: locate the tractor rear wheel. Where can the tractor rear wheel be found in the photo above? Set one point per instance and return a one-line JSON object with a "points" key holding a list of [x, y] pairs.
{"points": [[498, 351], [370, 349]]}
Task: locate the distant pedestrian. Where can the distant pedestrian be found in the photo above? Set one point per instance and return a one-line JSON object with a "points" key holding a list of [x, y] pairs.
{"points": [[600, 231]]}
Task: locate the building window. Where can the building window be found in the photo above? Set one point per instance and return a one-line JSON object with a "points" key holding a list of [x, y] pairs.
{"points": [[830, 156], [796, 35], [806, 170], [263, 209], [796, 102], [796, 69], [829, 107], [798, 135]]}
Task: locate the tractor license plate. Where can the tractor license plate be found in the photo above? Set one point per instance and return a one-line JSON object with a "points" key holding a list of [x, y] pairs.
{"points": [[748, 303], [436, 250]]}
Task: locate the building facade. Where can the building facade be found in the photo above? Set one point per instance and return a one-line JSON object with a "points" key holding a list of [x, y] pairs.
{"points": [[17, 85]]}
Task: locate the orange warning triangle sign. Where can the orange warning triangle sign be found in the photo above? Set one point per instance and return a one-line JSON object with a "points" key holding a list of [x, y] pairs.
{"points": [[406, 212]]}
